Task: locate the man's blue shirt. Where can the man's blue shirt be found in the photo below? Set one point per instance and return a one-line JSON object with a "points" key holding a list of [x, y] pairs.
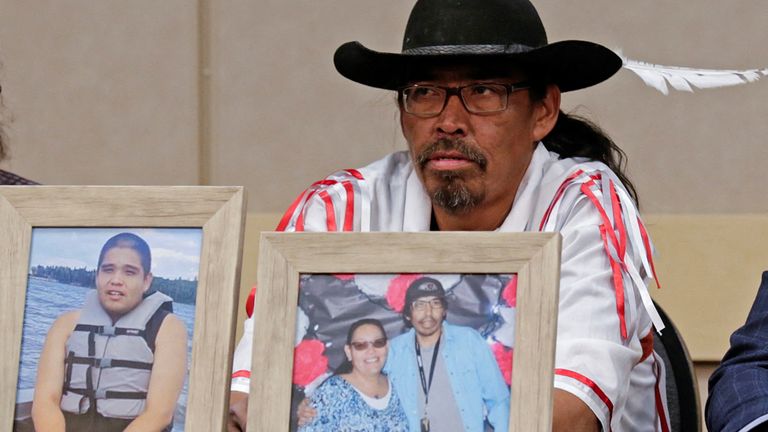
{"points": [[477, 383]]}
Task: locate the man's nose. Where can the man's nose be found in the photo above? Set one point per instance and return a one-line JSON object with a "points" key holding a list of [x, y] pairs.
{"points": [[453, 120]]}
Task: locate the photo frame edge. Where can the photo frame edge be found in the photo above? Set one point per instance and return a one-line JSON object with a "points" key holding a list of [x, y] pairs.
{"points": [[543, 248], [16, 231], [536, 338], [158, 206]]}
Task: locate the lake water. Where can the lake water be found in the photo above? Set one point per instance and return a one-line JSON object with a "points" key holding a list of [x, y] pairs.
{"points": [[46, 300]]}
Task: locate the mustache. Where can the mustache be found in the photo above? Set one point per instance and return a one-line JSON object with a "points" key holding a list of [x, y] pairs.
{"points": [[452, 144]]}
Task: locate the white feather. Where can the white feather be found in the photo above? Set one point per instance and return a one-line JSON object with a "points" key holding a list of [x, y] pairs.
{"points": [[685, 79]]}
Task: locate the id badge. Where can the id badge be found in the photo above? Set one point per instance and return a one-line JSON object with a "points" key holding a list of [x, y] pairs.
{"points": [[424, 424]]}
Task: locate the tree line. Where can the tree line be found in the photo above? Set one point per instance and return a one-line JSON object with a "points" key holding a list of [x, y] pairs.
{"points": [[180, 290]]}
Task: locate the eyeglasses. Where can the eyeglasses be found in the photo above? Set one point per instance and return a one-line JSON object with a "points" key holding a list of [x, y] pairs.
{"points": [[427, 100], [421, 305], [362, 346]]}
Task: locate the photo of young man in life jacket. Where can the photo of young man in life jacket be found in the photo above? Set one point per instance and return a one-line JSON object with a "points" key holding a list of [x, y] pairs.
{"points": [[117, 364]]}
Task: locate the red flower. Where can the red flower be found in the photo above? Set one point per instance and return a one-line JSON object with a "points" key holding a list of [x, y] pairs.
{"points": [[344, 276], [504, 359], [397, 288], [308, 361], [510, 292]]}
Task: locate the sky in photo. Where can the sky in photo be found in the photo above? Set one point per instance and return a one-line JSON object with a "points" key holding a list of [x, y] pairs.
{"points": [[175, 251]]}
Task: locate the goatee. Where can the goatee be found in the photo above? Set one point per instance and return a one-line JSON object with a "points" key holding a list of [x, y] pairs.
{"points": [[452, 194]]}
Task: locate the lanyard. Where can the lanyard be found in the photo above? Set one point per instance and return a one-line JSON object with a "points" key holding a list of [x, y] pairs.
{"points": [[424, 385]]}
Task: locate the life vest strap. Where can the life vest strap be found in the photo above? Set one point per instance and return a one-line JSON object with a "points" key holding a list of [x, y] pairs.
{"points": [[108, 394], [109, 330], [103, 363]]}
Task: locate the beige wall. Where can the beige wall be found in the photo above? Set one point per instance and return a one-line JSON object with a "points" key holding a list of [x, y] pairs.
{"points": [[132, 92], [101, 92]]}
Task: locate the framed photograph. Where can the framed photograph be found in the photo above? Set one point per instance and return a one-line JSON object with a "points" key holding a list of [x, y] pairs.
{"points": [[114, 299], [363, 317]]}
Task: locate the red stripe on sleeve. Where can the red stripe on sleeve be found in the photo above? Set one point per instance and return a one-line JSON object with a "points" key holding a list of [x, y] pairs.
{"points": [[558, 195], [657, 394], [242, 374], [289, 213], [250, 302], [349, 214], [648, 252], [589, 383], [354, 173], [616, 204], [330, 215], [606, 232]]}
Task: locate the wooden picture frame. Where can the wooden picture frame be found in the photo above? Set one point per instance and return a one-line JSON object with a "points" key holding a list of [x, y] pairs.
{"points": [[218, 211], [284, 257]]}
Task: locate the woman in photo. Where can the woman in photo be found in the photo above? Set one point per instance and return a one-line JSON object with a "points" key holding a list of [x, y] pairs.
{"points": [[358, 397], [117, 364]]}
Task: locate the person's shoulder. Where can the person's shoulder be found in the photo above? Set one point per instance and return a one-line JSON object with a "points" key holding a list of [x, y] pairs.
{"points": [[402, 339], [335, 386], [64, 324], [68, 319], [172, 326], [392, 166], [557, 169], [463, 332]]}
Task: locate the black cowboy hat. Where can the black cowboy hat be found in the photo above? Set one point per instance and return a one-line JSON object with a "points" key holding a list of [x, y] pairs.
{"points": [[486, 33]]}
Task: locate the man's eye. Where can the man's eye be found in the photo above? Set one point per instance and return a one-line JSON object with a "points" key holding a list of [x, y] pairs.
{"points": [[484, 90], [424, 92]]}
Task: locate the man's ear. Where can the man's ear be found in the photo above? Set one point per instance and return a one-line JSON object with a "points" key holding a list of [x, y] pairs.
{"points": [[147, 281], [545, 112]]}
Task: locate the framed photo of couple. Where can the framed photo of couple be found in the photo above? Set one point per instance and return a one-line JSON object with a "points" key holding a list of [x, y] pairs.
{"points": [[405, 331], [113, 305]]}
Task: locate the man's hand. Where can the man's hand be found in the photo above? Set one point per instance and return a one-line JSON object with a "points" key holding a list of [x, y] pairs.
{"points": [[305, 412], [572, 415], [238, 412]]}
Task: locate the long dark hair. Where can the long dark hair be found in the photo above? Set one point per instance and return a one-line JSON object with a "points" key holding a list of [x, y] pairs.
{"points": [[346, 365], [576, 136]]}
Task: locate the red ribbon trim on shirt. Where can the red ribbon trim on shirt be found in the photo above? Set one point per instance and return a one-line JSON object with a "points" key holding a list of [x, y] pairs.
{"points": [[354, 173], [242, 374], [618, 220], [657, 395], [607, 233], [349, 213], [646, 343], [648, 253], [558, 195], [589, 383], [330, 214], [249, 303], [289, 213]]}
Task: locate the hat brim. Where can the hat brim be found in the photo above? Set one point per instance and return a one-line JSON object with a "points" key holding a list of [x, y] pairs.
{"points": [[570, 64]]}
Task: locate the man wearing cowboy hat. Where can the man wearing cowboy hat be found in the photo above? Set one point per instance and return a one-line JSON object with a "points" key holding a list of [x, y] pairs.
{"points": [[478, 89], [445, 375]]}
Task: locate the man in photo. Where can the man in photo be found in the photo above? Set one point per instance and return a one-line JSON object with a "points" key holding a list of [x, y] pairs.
{"points": [[117, 364], [445, 375]]}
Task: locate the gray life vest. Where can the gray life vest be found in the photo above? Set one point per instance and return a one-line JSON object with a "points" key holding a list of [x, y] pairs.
{"points": [[110, 365]]}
